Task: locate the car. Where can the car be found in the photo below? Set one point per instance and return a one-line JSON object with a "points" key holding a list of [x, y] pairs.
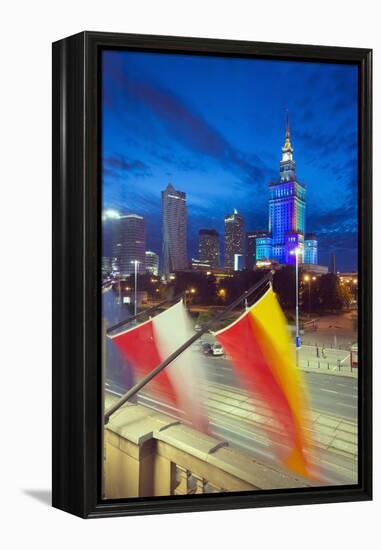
{"points": [[217, 349]]}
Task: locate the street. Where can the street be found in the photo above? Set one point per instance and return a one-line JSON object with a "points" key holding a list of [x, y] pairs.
{"points": [[244, 422]]}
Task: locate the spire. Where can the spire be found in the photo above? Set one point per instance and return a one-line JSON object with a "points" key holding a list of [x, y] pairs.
{"points": [[287, 126], [287, 147]]}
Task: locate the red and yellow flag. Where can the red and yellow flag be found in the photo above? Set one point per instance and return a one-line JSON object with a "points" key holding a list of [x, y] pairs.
{"points": [[146, 345], [260, 348]]}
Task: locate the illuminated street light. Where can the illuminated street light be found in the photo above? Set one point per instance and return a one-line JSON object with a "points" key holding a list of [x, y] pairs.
{"points": [[308, 279], [136, 263]]}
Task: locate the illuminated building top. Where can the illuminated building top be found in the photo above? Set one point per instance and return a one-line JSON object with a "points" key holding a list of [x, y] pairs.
{"points": [[287, 207]]}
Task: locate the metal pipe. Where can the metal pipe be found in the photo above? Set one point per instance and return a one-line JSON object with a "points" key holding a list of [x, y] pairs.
{"points": [[139, 385]]}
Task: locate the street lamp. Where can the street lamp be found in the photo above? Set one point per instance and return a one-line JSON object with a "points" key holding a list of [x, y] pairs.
{"points": [[136, 263], [296, 253], [307, 278]]}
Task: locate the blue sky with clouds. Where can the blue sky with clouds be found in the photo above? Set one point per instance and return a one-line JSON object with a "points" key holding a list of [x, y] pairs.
{"points": [[214, 127]]}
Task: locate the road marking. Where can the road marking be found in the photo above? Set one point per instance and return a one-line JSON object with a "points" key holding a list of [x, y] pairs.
{"points": [[328, 391], [347, 405]]}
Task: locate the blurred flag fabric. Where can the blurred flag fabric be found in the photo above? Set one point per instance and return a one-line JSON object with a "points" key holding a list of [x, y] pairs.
{"points": [[148, 344], [260, 348]]}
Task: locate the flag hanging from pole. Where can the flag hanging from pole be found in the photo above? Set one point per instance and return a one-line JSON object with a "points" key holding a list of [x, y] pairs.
{"points": [[260, 349], [148, 344]]}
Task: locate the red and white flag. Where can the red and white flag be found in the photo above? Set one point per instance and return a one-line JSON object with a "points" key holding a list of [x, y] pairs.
{"points": [[147, 345]]}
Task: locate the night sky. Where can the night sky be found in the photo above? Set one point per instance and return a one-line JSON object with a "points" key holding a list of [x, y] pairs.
{"points": [[214, 127]]}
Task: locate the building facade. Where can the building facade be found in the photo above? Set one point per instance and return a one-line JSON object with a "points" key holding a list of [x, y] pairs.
{"points": [[251, 247], [200, 265], [111, 239], [174, 230], [233, 239], [132, 244], [152, 262], [209, 247], [287, 208], [263, 248], [310, 249]]}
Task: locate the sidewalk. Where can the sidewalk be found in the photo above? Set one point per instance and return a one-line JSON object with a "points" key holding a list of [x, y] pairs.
{"points": [[333, 369], [334, 361]]}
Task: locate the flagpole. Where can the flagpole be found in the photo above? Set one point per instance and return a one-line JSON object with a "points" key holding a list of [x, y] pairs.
{"points": [[139, 385]]}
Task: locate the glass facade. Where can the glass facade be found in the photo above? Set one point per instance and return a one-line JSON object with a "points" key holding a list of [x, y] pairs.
{"points": [[287, 208]]}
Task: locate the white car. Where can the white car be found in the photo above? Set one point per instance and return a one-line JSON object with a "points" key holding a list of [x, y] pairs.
{"points": [[217, 349]]}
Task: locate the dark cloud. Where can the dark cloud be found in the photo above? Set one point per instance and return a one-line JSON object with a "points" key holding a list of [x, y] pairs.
{"points": [[188, 127], [192, 127], [120, 164]]}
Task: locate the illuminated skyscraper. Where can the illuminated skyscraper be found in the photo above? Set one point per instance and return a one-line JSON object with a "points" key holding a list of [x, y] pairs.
{"points": [[233, 239], [209, 247], [152, 262], [174, 229], [111, 240], [287, 208], [310, 249], [132, 245]]}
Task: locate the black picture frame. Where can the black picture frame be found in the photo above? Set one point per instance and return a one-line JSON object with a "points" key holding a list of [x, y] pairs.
{"points": [[77, 377]]}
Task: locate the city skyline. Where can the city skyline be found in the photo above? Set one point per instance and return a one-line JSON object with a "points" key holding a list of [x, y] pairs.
{"points": [[241, 248], [223, 150]]}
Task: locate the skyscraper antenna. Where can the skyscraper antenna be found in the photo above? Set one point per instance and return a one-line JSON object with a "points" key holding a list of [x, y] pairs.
{"points": [[287, 125]]}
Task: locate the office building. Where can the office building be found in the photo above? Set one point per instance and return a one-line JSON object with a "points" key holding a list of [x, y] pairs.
{"points": [[233, 238], [209, 247], [174, 230], [152, 262]]}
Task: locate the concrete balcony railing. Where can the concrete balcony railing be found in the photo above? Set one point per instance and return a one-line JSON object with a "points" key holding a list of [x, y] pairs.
{"points": [[151, 454]]}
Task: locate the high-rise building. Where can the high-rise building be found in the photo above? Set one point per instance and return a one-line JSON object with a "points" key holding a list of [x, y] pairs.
{"points": [[263, 247], [106, 265], [152, 262], [174, 229], [132, 244], [251, 247], [287, 207], [111, 237], [233, 238], [310, 249], [209, 247]]}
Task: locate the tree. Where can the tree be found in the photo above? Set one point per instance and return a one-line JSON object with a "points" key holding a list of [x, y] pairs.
{"points": [[284, 286], [331, 295]]}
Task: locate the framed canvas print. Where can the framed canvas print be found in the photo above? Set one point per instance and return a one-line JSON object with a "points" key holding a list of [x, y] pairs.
{"points": [[212, 274]]}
